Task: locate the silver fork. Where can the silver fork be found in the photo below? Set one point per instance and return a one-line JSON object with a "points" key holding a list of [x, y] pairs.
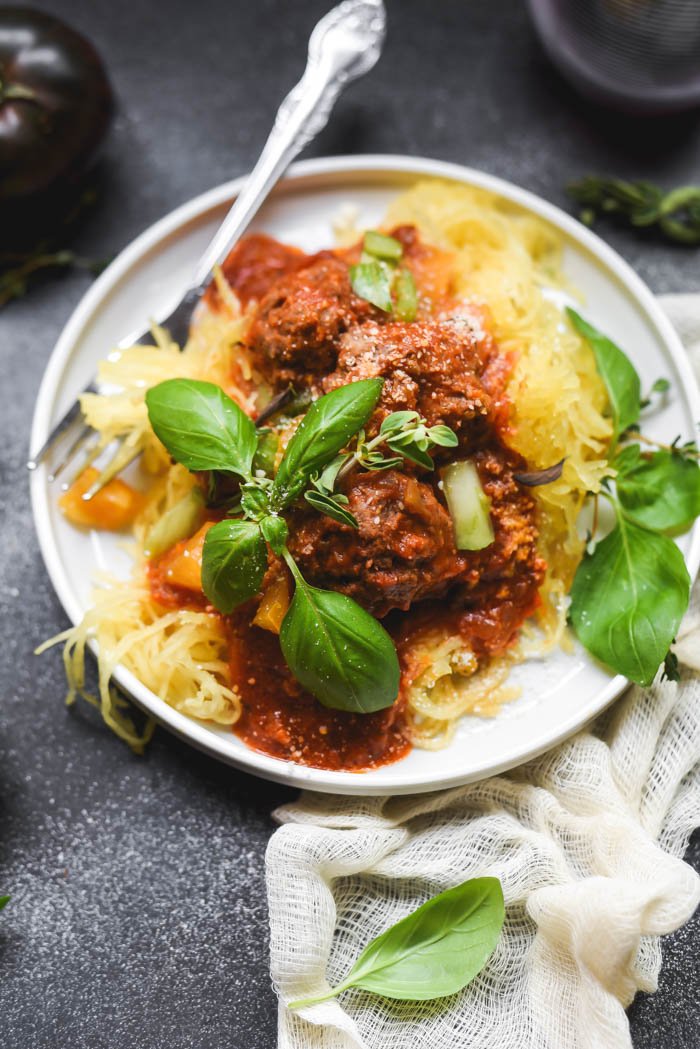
{"points": [[343, 46]]}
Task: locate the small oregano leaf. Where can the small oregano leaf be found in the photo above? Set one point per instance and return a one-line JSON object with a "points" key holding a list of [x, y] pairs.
{"points": [[331, 507], [433, 952]]}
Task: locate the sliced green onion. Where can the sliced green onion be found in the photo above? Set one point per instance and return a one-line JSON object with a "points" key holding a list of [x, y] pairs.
{"points": [[371, 282], [406, 296], [469, 506], [179, 522], [381, 246]]}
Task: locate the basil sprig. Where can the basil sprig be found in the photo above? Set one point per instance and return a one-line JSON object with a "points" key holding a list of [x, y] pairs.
{"points": [[435, 951], [632, 588], [335, 649]]}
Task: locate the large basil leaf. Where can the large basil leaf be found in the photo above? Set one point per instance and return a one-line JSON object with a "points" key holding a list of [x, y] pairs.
{"points": [[325, 429], [433, 952], [234, 561], [338, 652], [201, 426], [616, 371], [660, 491], [628, 598]]}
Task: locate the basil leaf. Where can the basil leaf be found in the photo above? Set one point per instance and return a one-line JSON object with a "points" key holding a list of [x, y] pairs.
{"points": [[406, 305], [660, 491], [616, 371], [331, 508], [234, 561], [370, 281], [382, 246], [255, 502], [337, 651], [4, 900], [201, 426], [323, 432], [275, 532], [435, 951], [628, 598]]}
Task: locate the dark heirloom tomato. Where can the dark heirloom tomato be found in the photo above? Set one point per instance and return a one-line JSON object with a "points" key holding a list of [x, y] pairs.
{"points": [[55, 103]]}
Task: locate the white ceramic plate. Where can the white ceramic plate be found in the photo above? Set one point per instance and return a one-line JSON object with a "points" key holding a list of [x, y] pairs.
{"points": [[559, 694]]}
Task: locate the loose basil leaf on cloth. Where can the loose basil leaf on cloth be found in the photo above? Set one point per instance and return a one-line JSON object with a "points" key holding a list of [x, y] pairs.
{"points": [[325, 429], [435, 951], [660, 491], [628, 598], [234, 560], [616, 371], [201, 426], [372, 282], [3, 901], [337, 651], [331, 507]]}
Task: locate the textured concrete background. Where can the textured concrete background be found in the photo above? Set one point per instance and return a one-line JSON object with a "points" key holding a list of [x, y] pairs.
{"points": [[138, 916]]}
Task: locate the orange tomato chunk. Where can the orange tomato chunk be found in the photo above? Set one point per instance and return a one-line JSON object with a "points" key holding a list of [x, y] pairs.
{"points": [[112, 509], [182, 566], [274, 605]]}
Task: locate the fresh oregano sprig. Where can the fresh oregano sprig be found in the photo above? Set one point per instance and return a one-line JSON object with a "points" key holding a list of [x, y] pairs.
{"points": [[675, 213], [433, 952], [405, 433], [632, 587], [336, 650]]}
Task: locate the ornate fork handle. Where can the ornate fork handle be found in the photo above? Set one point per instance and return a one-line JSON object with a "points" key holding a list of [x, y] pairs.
{"points": [[345, 44]]}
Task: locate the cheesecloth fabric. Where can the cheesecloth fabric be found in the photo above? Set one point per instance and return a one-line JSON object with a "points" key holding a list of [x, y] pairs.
{"points": [[586, 840]]}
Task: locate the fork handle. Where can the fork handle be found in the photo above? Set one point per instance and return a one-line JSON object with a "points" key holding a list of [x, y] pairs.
{"points": [[345, 44]]}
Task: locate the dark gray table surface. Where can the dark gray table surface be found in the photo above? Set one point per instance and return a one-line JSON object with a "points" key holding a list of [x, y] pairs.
{"points": [[138, 916]]}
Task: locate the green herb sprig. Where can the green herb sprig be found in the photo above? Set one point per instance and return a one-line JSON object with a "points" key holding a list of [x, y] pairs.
{"points": [[435, 951], [675, 213], [632, 587], [378, 279], [335, 649]]}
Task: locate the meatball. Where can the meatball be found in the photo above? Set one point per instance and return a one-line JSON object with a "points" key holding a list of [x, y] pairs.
{"points": [[429, 367], [294, 333], [403, 550]]}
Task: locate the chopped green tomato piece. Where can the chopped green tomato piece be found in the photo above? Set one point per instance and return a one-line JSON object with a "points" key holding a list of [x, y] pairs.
{"points": [[469, 506], [179, 522], [381, 246], [371, 282], [406, 305]]}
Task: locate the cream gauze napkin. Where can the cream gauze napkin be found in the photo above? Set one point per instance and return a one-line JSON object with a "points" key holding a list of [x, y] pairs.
{"points": [[586, 840]]}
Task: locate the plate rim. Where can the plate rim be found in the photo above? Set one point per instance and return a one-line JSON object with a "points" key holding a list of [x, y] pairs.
{"points": [[196, 733]]}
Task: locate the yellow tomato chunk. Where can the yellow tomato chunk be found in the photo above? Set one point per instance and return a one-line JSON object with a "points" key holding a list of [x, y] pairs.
{"points": [[274, 605], [182, 566], [114, 507]]}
